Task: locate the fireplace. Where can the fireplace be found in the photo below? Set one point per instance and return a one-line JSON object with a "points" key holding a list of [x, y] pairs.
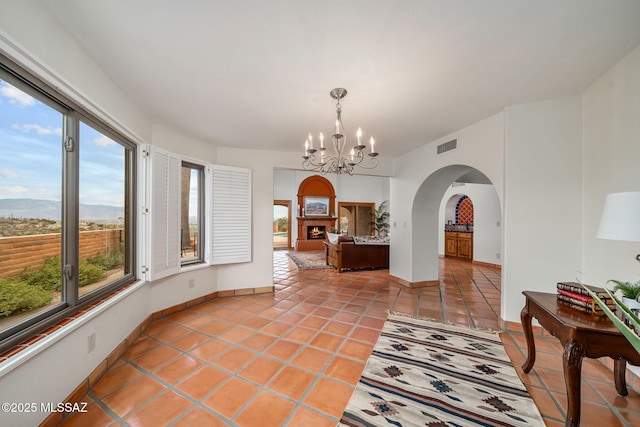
{"points": [[312, 231], [315, 232]]}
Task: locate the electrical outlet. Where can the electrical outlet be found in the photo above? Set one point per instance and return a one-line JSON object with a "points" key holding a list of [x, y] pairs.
{"points": [[192, 283], [497, 256], [91, 342]]}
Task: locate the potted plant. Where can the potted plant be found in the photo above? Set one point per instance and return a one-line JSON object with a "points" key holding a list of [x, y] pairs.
{"points": [[629, 325], [332, 235], [630, 292], [381, 214]]}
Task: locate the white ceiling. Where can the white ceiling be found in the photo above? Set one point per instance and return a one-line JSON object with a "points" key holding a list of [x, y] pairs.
{"points": [[257, 74]]}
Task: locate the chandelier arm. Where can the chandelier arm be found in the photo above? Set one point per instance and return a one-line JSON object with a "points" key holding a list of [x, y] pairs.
{"points": [[373, 163], [330, 165]]}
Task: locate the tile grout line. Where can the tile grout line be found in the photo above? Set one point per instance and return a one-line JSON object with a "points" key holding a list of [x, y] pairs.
{"points": [[357, 296]]}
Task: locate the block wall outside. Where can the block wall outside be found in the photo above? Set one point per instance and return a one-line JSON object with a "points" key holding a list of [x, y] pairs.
{"points": [[17, 253]]}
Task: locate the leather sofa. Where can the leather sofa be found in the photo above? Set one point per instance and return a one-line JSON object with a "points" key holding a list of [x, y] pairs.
{"points": [[345, 254]]}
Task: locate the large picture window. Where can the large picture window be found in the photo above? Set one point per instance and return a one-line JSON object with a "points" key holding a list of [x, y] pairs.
{"points": [[103, 193], [68, 209], [66, 203]]}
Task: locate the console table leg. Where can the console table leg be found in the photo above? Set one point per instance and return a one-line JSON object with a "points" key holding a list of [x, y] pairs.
{"points": [[572, 363], [525, 318], [619, 372]]}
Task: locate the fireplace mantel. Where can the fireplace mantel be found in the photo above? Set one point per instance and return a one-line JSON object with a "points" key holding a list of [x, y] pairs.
{"points": [[304, 222]]}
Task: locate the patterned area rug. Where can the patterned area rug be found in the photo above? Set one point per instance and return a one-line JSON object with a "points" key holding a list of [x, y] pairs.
{"points": [[309, 260], [424, 373]]}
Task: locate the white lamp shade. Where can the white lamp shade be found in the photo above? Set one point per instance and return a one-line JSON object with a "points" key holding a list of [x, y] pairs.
{"points": [[621, 217]]}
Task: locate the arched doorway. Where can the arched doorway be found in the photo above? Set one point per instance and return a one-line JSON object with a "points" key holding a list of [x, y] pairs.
{"points": [[458, 226], [428, 223], [282, 224]]}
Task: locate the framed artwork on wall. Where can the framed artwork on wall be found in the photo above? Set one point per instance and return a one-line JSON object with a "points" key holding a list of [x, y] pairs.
{"points": [[316, 206]]}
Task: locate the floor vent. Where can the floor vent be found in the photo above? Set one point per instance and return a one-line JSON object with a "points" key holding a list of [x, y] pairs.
{"points": [[447, 146]]}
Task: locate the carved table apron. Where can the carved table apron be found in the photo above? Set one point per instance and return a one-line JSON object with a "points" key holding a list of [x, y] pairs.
{"points": [[582, 335]]}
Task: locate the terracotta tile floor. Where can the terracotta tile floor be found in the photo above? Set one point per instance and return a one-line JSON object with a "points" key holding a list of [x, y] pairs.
{"points": [[294, 357]]}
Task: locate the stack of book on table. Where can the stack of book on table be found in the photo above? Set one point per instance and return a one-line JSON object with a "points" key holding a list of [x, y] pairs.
{"points": [[576, 296]]}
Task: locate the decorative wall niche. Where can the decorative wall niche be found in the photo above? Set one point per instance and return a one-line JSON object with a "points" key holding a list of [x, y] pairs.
{"points": [[316, 186]]}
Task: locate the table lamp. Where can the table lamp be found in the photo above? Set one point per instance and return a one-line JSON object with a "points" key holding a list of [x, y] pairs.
{"points": [[621, 217]]}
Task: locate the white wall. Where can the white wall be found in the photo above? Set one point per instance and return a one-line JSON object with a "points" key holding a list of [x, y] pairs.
{"points": [[611, 128], [177, 142], [362, 188], [543, 199], [487, 230], [414, 221], [540, 191], [448, 211]]}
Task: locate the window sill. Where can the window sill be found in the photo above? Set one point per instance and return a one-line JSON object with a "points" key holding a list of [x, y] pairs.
{"points": [[32, 347], [195, 266]]}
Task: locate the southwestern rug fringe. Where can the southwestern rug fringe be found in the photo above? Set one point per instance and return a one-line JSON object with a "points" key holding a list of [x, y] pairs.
{"points": [[423, 373], [309, 260]]}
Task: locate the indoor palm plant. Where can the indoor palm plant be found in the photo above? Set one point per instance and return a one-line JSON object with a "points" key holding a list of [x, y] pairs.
{"points": [[381, 223]]}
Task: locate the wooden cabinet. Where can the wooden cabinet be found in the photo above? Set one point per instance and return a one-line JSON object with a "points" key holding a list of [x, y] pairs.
{"points": [[465, 245], [450, 243], [458, 244], [356, 218]]}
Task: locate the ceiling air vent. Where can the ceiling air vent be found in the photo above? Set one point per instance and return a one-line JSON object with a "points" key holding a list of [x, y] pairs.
{"points": [[447, 146]]}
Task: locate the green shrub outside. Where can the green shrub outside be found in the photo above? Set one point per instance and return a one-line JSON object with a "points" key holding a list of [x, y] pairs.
{"points": [[16, 296], [34, 288], [47, 277], [113, 258], [90, 273]]}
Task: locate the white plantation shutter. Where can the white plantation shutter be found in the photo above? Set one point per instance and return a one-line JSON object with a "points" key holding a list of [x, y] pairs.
{"points": [[164, 214], [231, 215]]}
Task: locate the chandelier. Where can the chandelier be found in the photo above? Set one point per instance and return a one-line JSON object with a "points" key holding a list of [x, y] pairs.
{"points": [[318, 160]]}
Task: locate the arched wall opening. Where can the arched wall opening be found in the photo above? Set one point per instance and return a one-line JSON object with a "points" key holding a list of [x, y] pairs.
{"points": [[428, 219]]}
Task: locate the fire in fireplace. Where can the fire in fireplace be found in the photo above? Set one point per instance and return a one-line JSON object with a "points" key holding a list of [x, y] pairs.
{"points": [[315, 232]]}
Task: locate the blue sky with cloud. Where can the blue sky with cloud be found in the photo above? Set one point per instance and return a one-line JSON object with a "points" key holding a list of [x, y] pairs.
{"points": [[31, 147]]}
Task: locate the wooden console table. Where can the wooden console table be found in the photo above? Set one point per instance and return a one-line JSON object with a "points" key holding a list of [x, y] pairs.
{"points": [[582, 335]]}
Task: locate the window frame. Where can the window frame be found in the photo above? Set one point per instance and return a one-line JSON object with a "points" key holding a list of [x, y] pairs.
{"points": [[131, 200], [202, 240], [229, 194], [72, 115], [227, 221]]}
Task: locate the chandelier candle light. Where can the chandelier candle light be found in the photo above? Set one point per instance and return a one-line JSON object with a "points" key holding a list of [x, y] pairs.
{"points": [[340, 162]]}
